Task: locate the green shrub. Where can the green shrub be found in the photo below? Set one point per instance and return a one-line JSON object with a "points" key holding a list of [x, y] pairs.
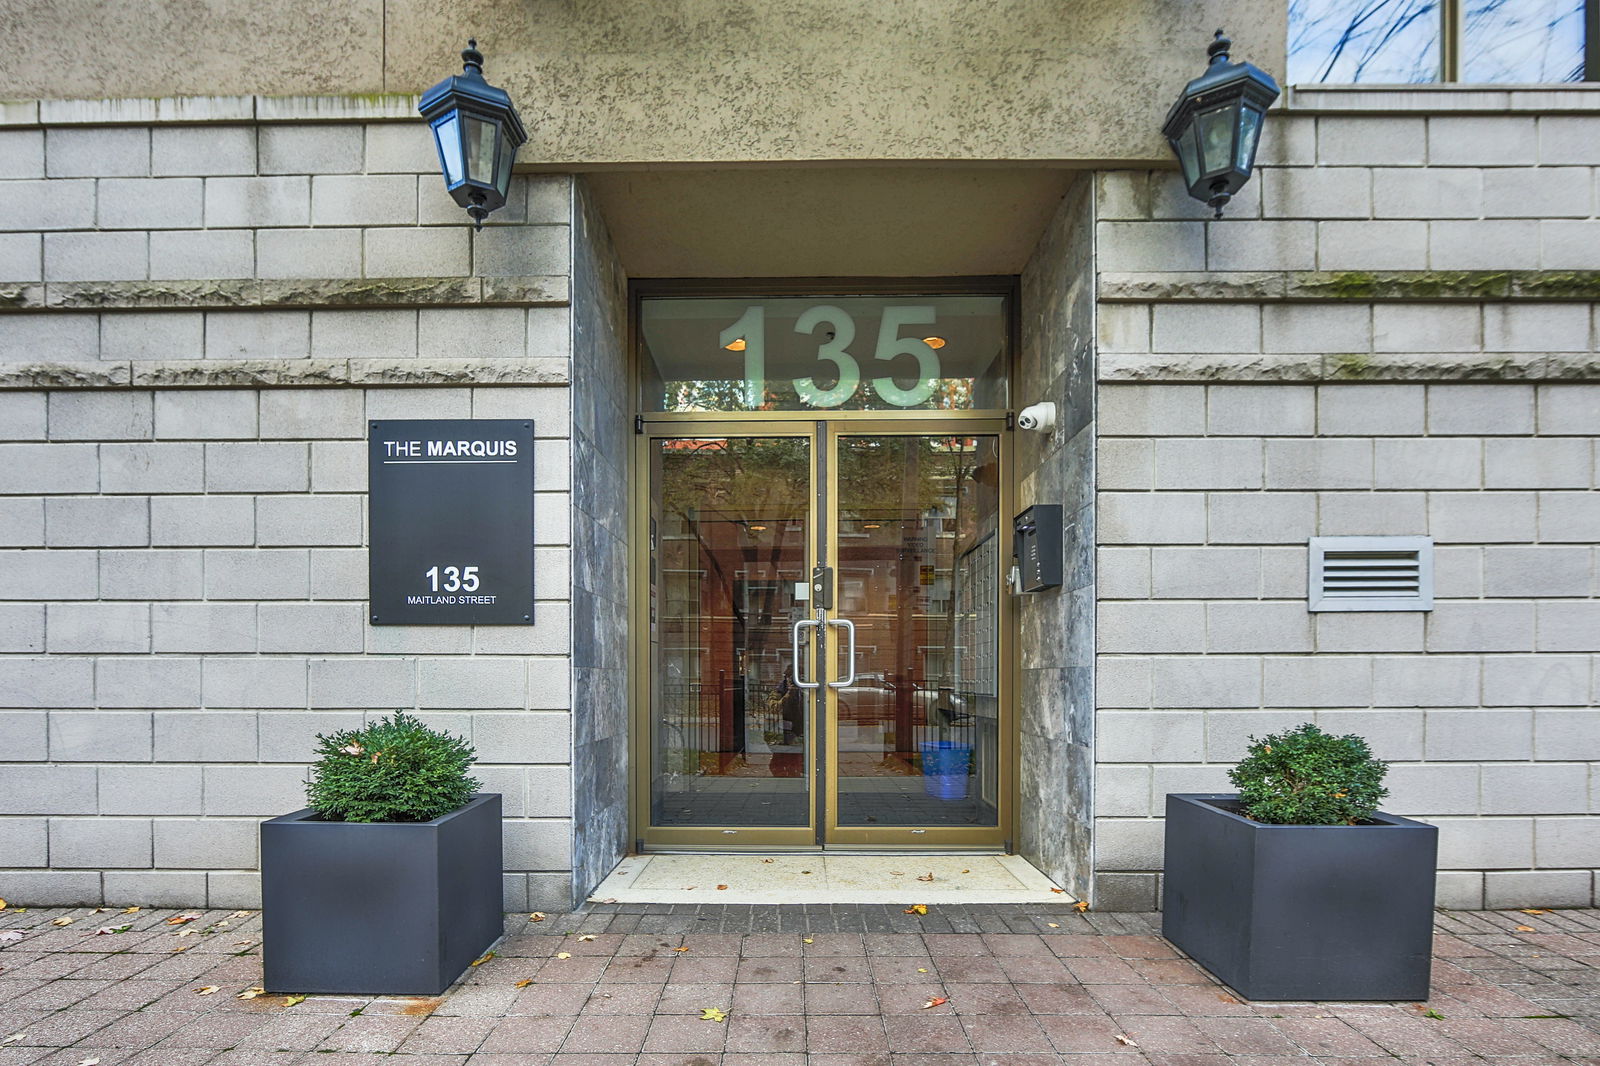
{"points": [[1308, 777], [394, 770]]}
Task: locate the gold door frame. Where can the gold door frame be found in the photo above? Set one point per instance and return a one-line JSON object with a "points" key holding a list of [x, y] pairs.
{"points": [[722, 837], [921, 837], [822, 781], [661, 424]]}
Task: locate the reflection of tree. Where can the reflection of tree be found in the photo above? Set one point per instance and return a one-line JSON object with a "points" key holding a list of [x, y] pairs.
{"points": [[1398, 40], [740, 481], [949, 394], [911, 482], [1350, 40]]}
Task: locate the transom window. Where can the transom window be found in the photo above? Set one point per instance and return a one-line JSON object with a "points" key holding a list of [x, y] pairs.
{"points": [[928, 352]]}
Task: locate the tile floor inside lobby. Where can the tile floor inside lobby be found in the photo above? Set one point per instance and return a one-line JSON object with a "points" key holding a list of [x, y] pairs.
{"points": [[840, 985]]}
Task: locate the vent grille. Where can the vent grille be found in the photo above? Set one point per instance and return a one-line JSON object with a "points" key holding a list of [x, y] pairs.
{"points": [[1371, 574]]}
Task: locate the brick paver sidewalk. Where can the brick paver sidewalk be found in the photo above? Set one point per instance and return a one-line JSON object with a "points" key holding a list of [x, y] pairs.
{"points": [[613, 986]]}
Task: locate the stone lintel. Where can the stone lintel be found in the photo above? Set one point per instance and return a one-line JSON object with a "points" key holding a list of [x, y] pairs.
{"points": [[1375, 368], [1328, 285], [269, 373], [288, 294]]}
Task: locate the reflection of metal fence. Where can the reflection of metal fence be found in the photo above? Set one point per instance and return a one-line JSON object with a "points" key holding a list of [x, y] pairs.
{"points": [[892, 718], [718, 716]]}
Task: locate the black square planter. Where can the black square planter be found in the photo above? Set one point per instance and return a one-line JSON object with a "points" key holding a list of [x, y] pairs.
{"points": [[379, 908], [1300, 912]]}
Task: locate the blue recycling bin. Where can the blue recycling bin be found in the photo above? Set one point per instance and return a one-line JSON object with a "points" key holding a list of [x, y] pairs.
{"points": [[945, 768]]}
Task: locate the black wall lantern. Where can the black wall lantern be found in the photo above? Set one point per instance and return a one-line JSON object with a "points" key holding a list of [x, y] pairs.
{"points": [[1214, 126], [477, 132]]}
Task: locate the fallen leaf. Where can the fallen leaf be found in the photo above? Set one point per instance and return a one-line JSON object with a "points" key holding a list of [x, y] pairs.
{"points": [[689, 888], [563, 954], [587, 936], [63, 921], [807, 940], [180, 947], [208, 990], [239, 914], [181, 919], [1127, 1041], [14, 1037], [1059, 890], [1080, 906], [1053, 925], [712, 1014], [244, 943], [684, 948], [185, 932], [966, 871], [1431, 1013], [805, 871], [936, 1001], [925, 877], [1225, 998], [722, 888], [130, 910], [763, 860], [223, 925], [524, 983], [9, 935], [536, 916], [481, 959], [289, 1001], [251, 993], [916, 908], [99, 910], [922, 969], [107, 930], [3, 902], [1525, 910], [1526, 929]]}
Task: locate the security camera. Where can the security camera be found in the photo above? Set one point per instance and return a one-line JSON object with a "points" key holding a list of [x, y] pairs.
{"points": [[1039, 416]]}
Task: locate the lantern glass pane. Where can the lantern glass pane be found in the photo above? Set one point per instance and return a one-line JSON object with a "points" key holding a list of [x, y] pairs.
{"points": [[502, 177], [1216, 139], [1249, 131], [447, 139], [1188, 157], [481, 141]]}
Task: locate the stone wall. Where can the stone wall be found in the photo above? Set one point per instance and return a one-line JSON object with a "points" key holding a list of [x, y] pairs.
{"points": [[196, 322], [1392, 333], [1056, 627], [602, 434]]}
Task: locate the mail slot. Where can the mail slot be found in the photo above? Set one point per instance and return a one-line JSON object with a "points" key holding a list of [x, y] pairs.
{"points": [[1036, 543]]}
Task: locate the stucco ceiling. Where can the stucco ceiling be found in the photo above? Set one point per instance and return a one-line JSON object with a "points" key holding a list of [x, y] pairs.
{"points": [[917, 221]]}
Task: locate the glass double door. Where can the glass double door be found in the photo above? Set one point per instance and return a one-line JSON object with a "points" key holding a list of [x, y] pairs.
{"points": [[822, 635]]}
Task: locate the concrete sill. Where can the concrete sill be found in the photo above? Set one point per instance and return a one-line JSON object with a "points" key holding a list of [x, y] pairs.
{"points": [[1566, 98]]}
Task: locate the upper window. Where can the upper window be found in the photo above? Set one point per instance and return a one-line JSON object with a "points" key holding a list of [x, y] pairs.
{"points": [[940, 352], [1501, 41]]}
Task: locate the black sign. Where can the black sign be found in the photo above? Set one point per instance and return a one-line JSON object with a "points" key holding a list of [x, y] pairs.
{"points": [[450, 512]]}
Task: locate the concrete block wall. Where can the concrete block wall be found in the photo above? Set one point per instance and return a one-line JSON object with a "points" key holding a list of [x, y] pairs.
{"points": [[182, 571], [1235, 423]]}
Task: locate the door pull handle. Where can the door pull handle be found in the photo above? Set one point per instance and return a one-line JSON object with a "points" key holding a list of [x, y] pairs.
{"points": [[850, 655], [794, 641]]}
